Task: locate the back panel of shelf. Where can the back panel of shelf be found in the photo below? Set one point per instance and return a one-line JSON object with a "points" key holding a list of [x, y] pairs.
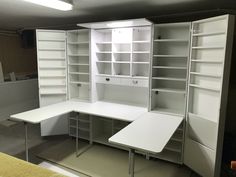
{"points": [[79, 70], [52, 72]]}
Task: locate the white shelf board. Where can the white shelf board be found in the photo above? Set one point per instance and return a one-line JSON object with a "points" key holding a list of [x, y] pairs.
{"points": [[104, 52], [52, 85], [107, 75], [52, 40], [209, 33], [105, 43], [169, 90], [52, 76], [207, 47], [169, 67], [140, 62], [171, 56], [126, 76], [204, 87], [103, 61], [52, 67], [139, 77], [78, 64], [52, 49], [77, 82], [53, 59], [170, 78], [207, 61], [171, 40], [147, 52], [78, 55], [53, 93], [118, 52], [78, 43], [145, 42], [122, 62], [79, 73], [204, 74]]}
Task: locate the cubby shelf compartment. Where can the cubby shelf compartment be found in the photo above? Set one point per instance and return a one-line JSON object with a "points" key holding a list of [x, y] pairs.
{"points": [[204, 87], [209, 33], [206, 75], [170, 90]]}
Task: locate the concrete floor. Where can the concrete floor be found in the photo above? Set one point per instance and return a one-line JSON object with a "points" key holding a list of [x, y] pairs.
{"points": [[12, 143]]}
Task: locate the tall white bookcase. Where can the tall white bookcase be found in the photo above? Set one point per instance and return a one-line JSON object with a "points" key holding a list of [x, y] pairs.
{"points": [[180, 69]]}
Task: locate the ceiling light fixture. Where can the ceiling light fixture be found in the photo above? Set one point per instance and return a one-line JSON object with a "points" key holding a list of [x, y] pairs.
{"points": [[55, 4], [120, 24]]}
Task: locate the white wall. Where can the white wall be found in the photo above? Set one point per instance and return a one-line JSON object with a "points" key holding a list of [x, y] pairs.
{"points": [[18, 96]]}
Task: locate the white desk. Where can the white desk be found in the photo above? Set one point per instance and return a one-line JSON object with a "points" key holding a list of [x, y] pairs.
{"points": [[150, 133], [104, 109]]}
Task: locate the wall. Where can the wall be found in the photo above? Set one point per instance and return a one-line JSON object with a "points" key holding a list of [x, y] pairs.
{"points": [[19, 96], [14, 57]]}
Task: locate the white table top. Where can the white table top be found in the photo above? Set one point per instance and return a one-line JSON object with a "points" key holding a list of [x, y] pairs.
{"points": [[150, 133], [104, 109]]}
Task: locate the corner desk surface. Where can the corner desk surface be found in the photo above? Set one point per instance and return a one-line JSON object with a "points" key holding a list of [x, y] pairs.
{"points": [[148, 131]]}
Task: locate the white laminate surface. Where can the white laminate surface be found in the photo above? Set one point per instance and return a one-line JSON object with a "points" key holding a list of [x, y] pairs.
{"points": [[150, 133], [104, 109]]}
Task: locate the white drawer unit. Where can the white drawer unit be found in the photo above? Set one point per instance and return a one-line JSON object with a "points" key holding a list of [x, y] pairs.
{"points": [[134, 82], [108, 80]]}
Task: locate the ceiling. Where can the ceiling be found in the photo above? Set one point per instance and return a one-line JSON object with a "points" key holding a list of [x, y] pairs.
{"points": [[17, 14]]}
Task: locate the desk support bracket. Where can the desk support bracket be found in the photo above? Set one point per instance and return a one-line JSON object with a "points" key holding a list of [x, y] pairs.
{"points": [[131, 162], [26, 142]]}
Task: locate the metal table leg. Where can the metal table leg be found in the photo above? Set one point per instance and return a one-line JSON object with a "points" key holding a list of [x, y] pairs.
{"points": [[77, 135], [26, 142], [131, 162]]}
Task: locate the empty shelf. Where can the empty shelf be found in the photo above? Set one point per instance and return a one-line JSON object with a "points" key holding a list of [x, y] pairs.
{"points": [[207, 47], [207, 75], [79, 73], [171, 56], [207, 61], [170, 78], [209, 33], [204, 87], [169, 67], [171, 40]]}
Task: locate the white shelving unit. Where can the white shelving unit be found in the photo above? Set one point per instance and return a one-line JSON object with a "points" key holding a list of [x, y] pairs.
{"points": [[78, 54], [52, 72]]}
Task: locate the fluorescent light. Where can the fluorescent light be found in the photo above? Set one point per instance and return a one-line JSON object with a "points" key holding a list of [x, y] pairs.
{"points": [[120, 24], [55, 4]]}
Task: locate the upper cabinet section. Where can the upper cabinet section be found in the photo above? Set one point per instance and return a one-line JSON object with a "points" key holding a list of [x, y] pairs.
{"points": [[169, 67], [78, 54]]}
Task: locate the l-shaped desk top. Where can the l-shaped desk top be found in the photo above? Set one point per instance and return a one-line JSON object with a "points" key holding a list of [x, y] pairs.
{"points": [[148, 131]]}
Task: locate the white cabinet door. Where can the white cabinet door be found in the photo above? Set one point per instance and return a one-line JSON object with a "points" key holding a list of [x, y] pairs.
{"points": [[52, 73], [207, 98]]}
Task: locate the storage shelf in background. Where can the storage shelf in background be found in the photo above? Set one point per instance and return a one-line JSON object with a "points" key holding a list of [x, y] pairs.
{"points": [[79, 73], [207, 47], [118, 52], [209, 33], [80, 128], [139, 77], [207, 61], [52, 40], [78, 64], [204, 87], [77, 82], [177, 137], [108, 42], [122, 62], [53, 93], [169, 67], [103, 61], [53, 59], [78, 55], [140, 62], [169, 90], [171, 40], [170, 78], [52, 49], [79, 43], [174, 148], [104, 52], [53, 76], [103, 139], [52, 67], [147, 52], [144, 42], [207, 75], [171, 56], [52, 85]]}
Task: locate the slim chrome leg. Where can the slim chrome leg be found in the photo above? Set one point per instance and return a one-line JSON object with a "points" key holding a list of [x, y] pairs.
{"points": [[77, 134], [131, 162], [26, 142]]}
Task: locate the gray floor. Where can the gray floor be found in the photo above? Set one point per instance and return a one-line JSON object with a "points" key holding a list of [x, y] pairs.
{"points": [[12, 143]]}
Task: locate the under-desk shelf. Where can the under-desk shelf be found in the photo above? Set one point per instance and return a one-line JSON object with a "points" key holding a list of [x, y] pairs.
{"points": [[169, 90]]}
